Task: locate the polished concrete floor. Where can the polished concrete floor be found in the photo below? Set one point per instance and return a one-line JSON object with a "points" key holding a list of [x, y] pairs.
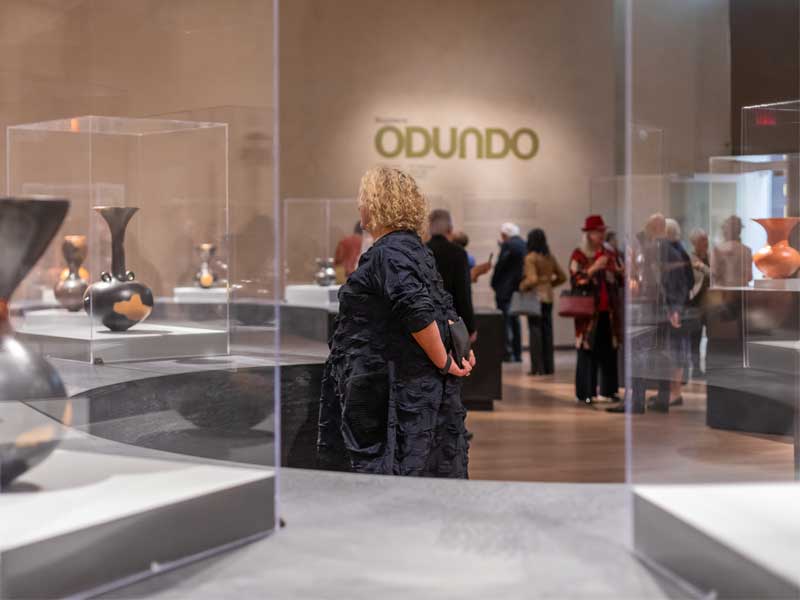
{"points": [[538, 432], [351, 536], [367, 537]]}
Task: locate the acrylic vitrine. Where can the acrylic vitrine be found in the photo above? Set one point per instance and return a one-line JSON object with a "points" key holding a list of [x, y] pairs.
{"points": [[146, 238], [712, 361], [158, 444]]}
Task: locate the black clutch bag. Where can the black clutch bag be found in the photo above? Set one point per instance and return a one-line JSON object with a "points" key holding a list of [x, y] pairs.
{"points": [[459, 338]]}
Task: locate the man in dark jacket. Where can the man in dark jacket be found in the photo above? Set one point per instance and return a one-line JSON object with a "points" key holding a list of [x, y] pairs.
{"points": [[505, 281], [453, 265]]}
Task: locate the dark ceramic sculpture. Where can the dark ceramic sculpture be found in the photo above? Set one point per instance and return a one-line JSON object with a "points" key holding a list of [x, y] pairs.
{"points": [[326, 275], [205, 276], [72, 286], [117, 301], [26, 228]]}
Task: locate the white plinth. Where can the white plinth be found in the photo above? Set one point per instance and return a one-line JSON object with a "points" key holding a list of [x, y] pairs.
{"points": [[198, 295], [777, 284], [312, 295], [53, 318], [145, 341], [80, 519], [742, 540], [781, 357]]}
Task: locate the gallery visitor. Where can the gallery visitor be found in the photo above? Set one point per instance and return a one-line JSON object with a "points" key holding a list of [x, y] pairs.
{"points": [[595, 269], [541, 273], [453, 266], [657, 296], [698, 298], [731, 260], [391, 389], [505, 281], [680, 277], [476, 269]]}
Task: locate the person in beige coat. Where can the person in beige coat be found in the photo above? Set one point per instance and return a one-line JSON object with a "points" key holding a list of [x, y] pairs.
{"points": [[541, 273]]}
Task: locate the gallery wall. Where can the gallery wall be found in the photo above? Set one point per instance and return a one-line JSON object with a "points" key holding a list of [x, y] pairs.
{"points": [[765, 54], [352, 67], [183, 59]]}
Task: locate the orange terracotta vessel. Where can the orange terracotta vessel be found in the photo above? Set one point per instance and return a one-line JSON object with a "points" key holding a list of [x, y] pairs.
{"points": [[778, 260]]}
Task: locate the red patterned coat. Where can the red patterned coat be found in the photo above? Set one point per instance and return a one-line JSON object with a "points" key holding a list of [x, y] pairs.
{"points": [[614, 277]]}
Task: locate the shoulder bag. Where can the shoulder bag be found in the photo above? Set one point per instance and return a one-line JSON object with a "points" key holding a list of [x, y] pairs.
{"points": [[576, 304], [526, 303]]}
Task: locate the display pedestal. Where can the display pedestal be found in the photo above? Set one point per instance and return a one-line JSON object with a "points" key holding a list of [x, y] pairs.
{"points": [[777, 284], [313, 295], [145, 341], [81, 520], [198, 295], [740, 540]]}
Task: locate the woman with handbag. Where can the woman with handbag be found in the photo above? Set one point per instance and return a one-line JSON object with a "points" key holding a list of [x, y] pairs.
{"points": [[596, 271], [391, 388], [542, 273]]}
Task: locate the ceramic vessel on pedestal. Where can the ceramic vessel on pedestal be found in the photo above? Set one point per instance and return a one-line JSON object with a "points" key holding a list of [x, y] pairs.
{"points": [[72, 284], [326, 275], [26, 437], [118, 301], [205, 277], [778, 260]]}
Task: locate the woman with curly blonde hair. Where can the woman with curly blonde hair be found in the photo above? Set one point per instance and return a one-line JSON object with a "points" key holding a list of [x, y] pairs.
{"points": [[391, 391]]}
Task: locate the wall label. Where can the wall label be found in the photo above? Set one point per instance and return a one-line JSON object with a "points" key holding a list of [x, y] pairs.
{"points": [[418, 142]]}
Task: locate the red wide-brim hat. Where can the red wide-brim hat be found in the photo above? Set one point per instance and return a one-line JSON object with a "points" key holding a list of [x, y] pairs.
{"points": [[594, 223]]}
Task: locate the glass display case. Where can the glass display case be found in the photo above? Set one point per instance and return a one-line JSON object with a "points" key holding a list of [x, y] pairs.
{"points": [[144, 432], [314, 269], [711, 335], [146, 239]]}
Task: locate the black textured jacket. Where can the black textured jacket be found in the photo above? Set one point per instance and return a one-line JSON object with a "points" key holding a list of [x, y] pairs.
{"points": [[385, 408], [453, 266], [509, 268]]}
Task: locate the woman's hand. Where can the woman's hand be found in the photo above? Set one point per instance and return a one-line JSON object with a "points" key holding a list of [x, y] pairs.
{"points": [[471, 359], [464, 370], [599, 264]]}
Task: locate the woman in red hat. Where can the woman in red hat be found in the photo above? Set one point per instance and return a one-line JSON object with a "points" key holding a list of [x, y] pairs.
{"points": [[596, 268]]}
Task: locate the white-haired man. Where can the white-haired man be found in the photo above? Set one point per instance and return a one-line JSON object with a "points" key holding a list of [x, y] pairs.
{"points": [[505, 281]]}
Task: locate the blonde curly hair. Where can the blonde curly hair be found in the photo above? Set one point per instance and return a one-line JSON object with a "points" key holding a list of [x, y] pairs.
{"points": [[393, 200]]}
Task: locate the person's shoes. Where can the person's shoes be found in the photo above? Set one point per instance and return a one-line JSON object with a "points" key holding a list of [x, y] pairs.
{"points": [[676, 401], [654, 404], [585, 401], [636, 409], [612, 398], [535, 373], [516, 359], [469, 435]]}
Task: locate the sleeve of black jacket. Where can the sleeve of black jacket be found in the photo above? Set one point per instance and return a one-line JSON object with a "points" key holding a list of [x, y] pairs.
{"points": [[462, 290], [500, 267]]}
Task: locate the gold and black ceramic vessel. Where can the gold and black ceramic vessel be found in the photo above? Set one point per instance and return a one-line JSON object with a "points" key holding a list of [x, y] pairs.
{"points": [[205, 276], [72, 285], [26, 436], [118, 301]]}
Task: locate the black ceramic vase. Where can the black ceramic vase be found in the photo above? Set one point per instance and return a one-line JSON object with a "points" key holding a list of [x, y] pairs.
{"points": [[26, 436], [72, 286], [117, 301]]}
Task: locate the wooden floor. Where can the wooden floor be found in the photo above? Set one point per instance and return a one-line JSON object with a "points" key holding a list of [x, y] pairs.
{"points": [[539, 433]]}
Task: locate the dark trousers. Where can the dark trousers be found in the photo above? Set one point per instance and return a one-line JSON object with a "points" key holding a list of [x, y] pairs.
{"points": [[513, 332], [540, 330], [603, 358]]}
